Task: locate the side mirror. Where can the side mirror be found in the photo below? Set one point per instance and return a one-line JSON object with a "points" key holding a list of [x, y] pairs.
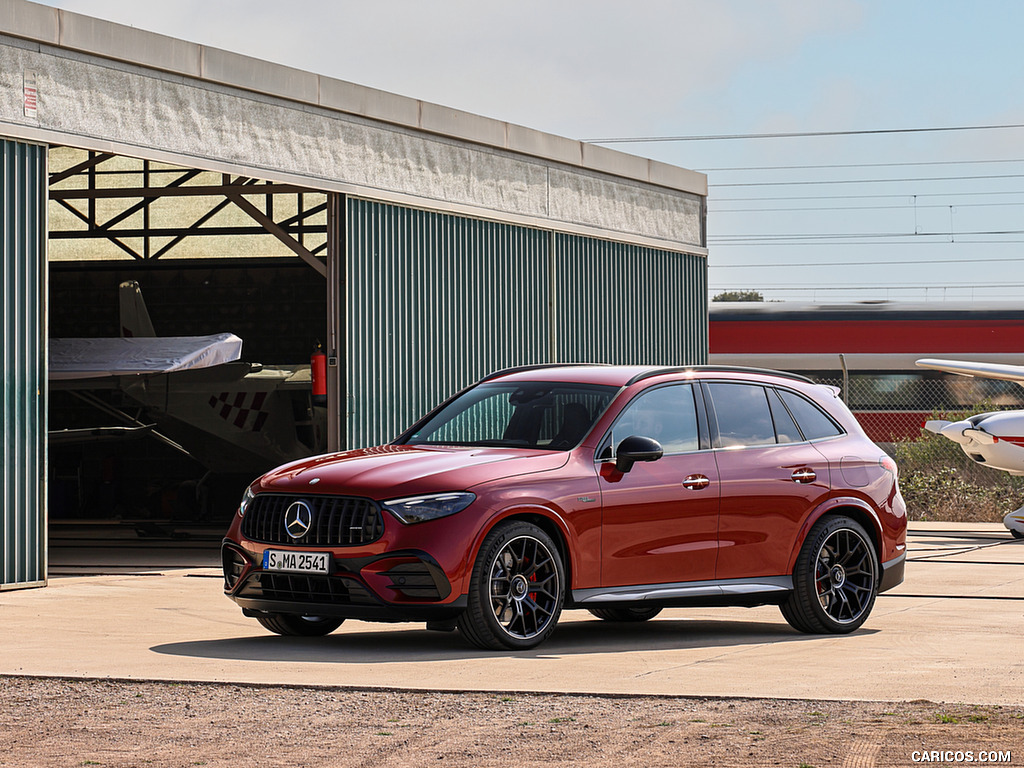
{"points": [[636, 448]]}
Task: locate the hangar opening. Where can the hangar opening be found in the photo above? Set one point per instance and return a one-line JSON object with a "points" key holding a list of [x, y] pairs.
{"points": [[142, 250]]}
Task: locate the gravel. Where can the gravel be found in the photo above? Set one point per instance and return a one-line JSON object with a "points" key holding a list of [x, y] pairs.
{"points": [[81, 722]]}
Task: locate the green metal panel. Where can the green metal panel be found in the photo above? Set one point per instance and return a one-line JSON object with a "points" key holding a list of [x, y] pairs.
{"points": [[23, 364], [626, 304], [434, 302]]}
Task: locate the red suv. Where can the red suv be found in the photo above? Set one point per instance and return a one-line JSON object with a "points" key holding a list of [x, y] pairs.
{"points": [[620, 490]]}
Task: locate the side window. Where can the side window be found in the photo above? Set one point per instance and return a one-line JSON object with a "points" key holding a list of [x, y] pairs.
{"points": [[668, 414], [785, 428], [814, 422], [744, 417]]}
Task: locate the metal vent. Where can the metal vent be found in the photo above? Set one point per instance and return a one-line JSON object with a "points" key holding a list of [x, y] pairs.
{"points": [[337, 521], [234, 566]]}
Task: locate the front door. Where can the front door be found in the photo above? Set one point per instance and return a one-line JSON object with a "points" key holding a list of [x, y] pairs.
{"points": [[660, 519]]}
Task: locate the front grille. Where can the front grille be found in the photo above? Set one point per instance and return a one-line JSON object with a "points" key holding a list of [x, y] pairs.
{"points": [[337, 521], [300, 588]]}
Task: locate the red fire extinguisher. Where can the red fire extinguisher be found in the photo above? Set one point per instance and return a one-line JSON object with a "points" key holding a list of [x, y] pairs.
{"points": [[318, 366]]}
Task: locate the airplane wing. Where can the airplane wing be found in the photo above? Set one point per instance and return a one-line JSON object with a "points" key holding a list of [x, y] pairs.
{"points": [[1013, 373], [73, 359]]}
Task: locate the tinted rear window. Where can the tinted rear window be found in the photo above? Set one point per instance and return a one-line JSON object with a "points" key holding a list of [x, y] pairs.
{"points": [[813, 421], [744, 417]]}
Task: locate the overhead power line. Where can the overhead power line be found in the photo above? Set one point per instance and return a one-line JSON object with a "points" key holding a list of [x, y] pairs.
{"points": [[834, 166], [854, 235], [795, 134], [847, 208], [903, 196], [881, 263], [947, 239], [789, 287], [865, 181]]}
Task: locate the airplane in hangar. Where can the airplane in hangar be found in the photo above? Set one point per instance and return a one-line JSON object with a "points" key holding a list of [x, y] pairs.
{"points": [[193, 393], [994, 439]]}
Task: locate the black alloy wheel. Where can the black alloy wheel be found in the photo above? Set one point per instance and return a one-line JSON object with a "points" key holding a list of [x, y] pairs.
{"points": [[516, 591], [836, 579]]}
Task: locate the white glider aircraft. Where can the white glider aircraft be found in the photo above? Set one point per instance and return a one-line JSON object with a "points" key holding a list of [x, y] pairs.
{"points": [[204, 401], [993, 439]]}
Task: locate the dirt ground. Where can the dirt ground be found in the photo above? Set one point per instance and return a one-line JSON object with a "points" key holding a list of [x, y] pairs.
{"points": [[56, 722]]}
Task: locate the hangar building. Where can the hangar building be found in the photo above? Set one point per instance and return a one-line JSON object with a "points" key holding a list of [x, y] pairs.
{"points": [[422, 247]]}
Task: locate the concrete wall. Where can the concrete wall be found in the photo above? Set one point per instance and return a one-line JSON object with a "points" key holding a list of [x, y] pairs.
{"points": [[102, 85]]}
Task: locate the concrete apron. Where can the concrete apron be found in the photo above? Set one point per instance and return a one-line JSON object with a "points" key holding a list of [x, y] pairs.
{"points": [[950, 633]]}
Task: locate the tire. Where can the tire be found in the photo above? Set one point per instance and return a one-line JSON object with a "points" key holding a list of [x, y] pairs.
{"points": [[797, 622], [835, 580], [295, 625], [516, 590], [645, 613]]}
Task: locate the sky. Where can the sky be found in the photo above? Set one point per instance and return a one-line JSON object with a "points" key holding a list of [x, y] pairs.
{"points": [[898, 211]]}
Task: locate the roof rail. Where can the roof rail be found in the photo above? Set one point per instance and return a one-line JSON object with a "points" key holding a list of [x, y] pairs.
{"points": [[536, 367], [718, 368]]}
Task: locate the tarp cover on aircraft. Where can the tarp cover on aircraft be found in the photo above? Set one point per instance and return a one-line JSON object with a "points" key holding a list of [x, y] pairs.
{"points": [[97, 358]]}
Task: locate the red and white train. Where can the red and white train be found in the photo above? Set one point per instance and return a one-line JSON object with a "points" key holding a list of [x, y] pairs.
{"points": [[869, 349]]}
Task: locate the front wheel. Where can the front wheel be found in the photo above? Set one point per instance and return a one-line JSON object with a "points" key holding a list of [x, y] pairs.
{"points": [[516, 590], [294, 625], [835, 580]]}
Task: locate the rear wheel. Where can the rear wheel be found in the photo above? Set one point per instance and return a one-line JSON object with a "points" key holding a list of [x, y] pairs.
{"points": [[835, 580], [645, 613], [292, 624], [516, 590]]}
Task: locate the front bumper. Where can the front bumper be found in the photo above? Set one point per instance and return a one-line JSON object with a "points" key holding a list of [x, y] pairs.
{"points": [[397, 586]]}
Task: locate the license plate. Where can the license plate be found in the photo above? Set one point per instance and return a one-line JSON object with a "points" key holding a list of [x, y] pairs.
{"points": [[297, 562]]}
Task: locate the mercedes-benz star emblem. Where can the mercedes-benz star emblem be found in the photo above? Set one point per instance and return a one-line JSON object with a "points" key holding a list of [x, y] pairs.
{"points": [[297, 519]]}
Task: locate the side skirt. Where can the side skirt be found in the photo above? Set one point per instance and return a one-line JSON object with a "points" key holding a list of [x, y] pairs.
{"points": [[759, 591]]}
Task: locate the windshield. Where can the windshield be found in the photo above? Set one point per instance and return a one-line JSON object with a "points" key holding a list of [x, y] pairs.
{"points": [[548, 415]]}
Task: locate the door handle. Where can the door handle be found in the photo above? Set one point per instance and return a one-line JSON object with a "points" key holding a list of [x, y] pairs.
{"points": [[805, 475], [696, 482]]}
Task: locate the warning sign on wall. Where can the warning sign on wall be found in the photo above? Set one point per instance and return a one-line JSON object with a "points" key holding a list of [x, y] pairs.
{"points": [[31, 95]]}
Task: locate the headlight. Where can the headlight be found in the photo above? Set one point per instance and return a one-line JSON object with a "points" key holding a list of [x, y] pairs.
{"points": [[417, 509], [247, 498]]}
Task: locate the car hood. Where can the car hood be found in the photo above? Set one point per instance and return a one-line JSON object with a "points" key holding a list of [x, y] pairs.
{"points": [[395, 471]]}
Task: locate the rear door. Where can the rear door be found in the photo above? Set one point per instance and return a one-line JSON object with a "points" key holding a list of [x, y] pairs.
{"points": [[771, 478]]}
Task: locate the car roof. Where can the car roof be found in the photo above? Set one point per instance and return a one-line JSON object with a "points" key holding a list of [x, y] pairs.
{"points": [[624, 375]]}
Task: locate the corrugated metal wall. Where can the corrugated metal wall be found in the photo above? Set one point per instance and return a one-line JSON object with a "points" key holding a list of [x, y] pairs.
{"points": [[435, 301], [23, 364], [624, 304]]}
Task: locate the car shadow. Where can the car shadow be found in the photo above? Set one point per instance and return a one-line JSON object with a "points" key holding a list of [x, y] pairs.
{"points": [[415, 644]]}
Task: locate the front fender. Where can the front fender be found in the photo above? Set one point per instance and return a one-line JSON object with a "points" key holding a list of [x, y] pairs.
{"points": [[529, 512]]}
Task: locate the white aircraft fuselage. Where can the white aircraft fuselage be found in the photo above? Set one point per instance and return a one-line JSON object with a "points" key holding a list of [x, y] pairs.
{"points": [[993, 439]]}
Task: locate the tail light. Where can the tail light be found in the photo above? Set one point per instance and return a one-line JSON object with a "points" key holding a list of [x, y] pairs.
{"points": [[886, 463]]}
